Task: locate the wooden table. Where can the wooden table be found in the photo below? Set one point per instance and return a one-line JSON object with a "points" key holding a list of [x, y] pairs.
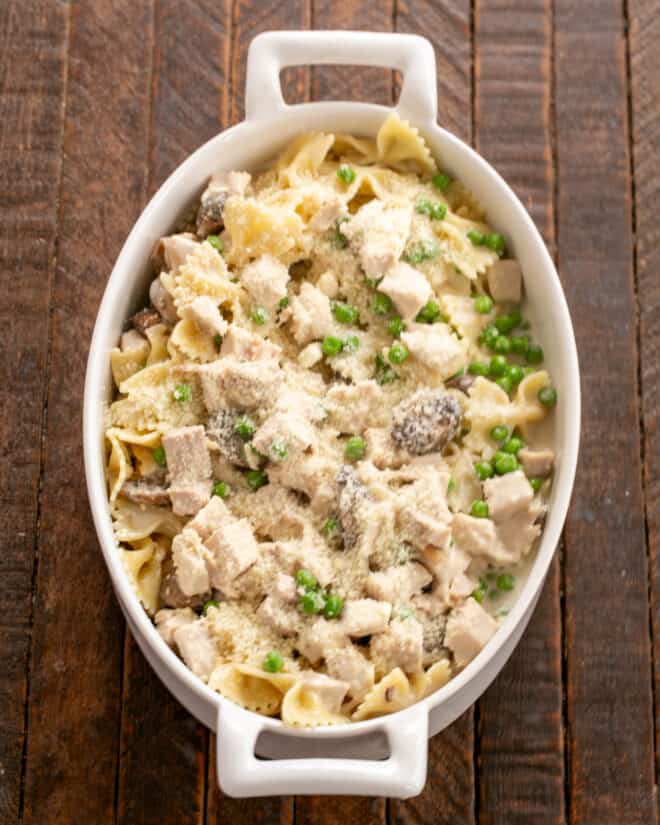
{"points": [[99, 102]]}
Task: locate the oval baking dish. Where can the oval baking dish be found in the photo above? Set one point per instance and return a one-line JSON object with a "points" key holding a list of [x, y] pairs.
{"points": [[385, 756]]}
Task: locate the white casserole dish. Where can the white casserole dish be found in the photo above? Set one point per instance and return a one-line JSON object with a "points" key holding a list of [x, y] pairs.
{"points": [[351, 759]]}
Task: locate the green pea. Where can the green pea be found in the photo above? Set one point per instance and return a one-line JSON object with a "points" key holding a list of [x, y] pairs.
{"points": [[278, 450], [159, 457], [528, 371], [331, 524], [217, 340], [333, 606], [536, 483], [215, 242], [497, 367], [441, 181], [355, 448], [519, 344], [424, 206], [398, 353], [483, 304], [421, 251], [505, 581], [256, 479], [547, 396], [514, 373], [499, 433], [429, 313], [306, 579], [504, 383], [273, 662], [516, 316], [396, 327], [479, 509], [479, 592], [476, 238], [346, 173], [208, 605], [245, 427], [259, 316], [221, 489], [351, 344], [451, 485], [283, 303], [484, 469], [340, 240], [504, 324], [513, 445], [495, 241], [382, 304], [438, 211], [505, 463], [478, 368], [331, 345], [534, 354], [182, 392], [502, 345], [384, 373], [312, 602], [345, 313]]}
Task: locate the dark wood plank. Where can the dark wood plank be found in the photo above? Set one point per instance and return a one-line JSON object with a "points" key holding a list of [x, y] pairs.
{"points": [[520, 747], [644, 31], [449, 793], [249, 18], [370, 84], [162, 768], [77, 641], [609, 701], [31, 115]]}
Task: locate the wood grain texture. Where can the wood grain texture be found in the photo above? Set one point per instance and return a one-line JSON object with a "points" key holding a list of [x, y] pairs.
{"points": [[369, 84], [31, 115], [77, 641], [644, 28], [520, 742], [249, 18], [449, 795], [162, 767], [609, 701], [446, 23]]}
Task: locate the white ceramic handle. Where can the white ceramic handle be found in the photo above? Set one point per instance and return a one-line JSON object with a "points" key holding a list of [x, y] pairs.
{"points": [[242, 774], [271, 52]]}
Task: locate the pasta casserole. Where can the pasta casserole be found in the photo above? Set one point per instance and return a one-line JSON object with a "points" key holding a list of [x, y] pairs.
{"points": [[328, 458]]}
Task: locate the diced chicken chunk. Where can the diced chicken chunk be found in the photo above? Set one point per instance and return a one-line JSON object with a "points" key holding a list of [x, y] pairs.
{"points": [[244, 345], [537, 463], [189, 464], [309, 406], [505, 281], [330, 211], [353, 406], [304, 554], [349, 665], [398, 584], [285, 589], [163, 301], [447, 566], [281, 618], [422, 530], [312, 475], [311, 318], [266, 279], [214, 197], [310, 355], [363, 617], [210, 518], [401, 645], [378, 232], [319, 639], [382, 451], [175, 249], [283, 434], [328, 284], [233, 550], [189, 556], [469, 628], [507, 495], [436, 347], [425, 422], [197, 648], [244, 384], [170, 592], [408, 289], [132, 341], [330, 692], [169, 621], [206, 316], [478, 537], [142, 492]]}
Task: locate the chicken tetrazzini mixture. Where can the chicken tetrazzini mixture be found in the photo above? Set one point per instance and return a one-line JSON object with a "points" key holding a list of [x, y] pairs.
{"points": [[326, 466]]}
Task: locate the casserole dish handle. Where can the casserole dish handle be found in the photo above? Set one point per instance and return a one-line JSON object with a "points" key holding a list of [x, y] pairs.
{"points": [[241, 773], [271, 52]]}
